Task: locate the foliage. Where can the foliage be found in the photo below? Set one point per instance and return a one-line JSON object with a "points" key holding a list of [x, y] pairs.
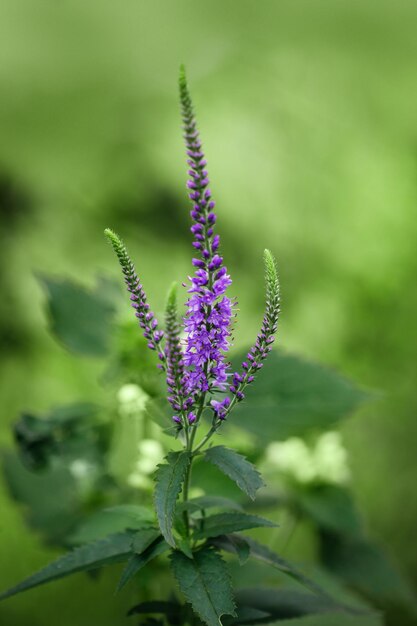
{"points": [[234, 465], [91, 330], [293, 398]]}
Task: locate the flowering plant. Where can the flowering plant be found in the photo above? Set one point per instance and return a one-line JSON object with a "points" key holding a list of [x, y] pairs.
{"points": [[196, 368], [200, 384]]}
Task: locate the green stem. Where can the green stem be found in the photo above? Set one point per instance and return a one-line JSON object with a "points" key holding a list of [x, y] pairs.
{"points": [[190, 436], [185, 496], [205, 439]]}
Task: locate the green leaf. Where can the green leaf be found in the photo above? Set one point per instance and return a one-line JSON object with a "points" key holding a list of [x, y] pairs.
{"points": [[224, 523], [233, 543], [112, 549], [40, 437], [205, 583], [282, 603], [330, 507], [80, 318], [112, 520], [169, 479], [156, 607], [364, 565], [236, 467], [53, 517], [247, 616], [292, 396], [264, 554], [152, 547]]}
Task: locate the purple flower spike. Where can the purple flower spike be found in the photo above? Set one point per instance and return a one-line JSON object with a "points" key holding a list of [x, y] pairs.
{"points": [[146, 318], [196, 365], [174, 357], [266, 337], [209, 310]]}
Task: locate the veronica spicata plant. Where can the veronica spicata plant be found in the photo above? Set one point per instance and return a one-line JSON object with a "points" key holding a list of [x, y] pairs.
{"points": [[196, 367], [192, 352]]}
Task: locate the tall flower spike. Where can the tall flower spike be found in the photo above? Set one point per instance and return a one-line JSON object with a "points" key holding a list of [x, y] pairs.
{"points": [[209, 310], [266, 337], [147, 320], [177, 397], [263, 344]]}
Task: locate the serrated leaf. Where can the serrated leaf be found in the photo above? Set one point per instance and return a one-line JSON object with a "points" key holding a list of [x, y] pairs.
{"points": [[144, 538], [142, 557], [113, 549], [282, 603], [233, 543], [112, 520], [236, 467], [169, 479], [225, 523], [292, 396], [80, 318], [246, 616], [264, 554], [205, 583]]}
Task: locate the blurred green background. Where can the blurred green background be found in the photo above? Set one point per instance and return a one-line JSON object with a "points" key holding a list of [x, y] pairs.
{"points": [[308, 112]]}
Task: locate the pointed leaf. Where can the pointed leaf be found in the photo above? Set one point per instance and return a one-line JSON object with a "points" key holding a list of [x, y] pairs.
{"points": [[80, 318], [282, 603], [113, 549], [112, 520], [225, 523], [263, 553], [331, 507], [138, 561], [205, 583], [234, 465], [233, 543], [292, 397], [169, 479], [144, 538], [156, 607], [247, 617]]}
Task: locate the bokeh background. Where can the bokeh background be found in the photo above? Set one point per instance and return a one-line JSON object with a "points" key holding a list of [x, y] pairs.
{"points": [[308, 111]]}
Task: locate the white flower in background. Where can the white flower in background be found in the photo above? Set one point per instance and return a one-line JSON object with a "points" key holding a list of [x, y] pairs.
{"points": [[81, 469], [331, 458], [291, 457], [150, 453], [85, 473], [132, 400], [325, 461]]}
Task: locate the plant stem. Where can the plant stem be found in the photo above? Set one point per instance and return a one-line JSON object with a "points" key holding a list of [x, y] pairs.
{"points": [[206, 438], [185, 496], [190, 436]]}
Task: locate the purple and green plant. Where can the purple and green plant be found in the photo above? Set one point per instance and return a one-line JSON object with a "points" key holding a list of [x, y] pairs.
{"points": [[203, 390]]}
